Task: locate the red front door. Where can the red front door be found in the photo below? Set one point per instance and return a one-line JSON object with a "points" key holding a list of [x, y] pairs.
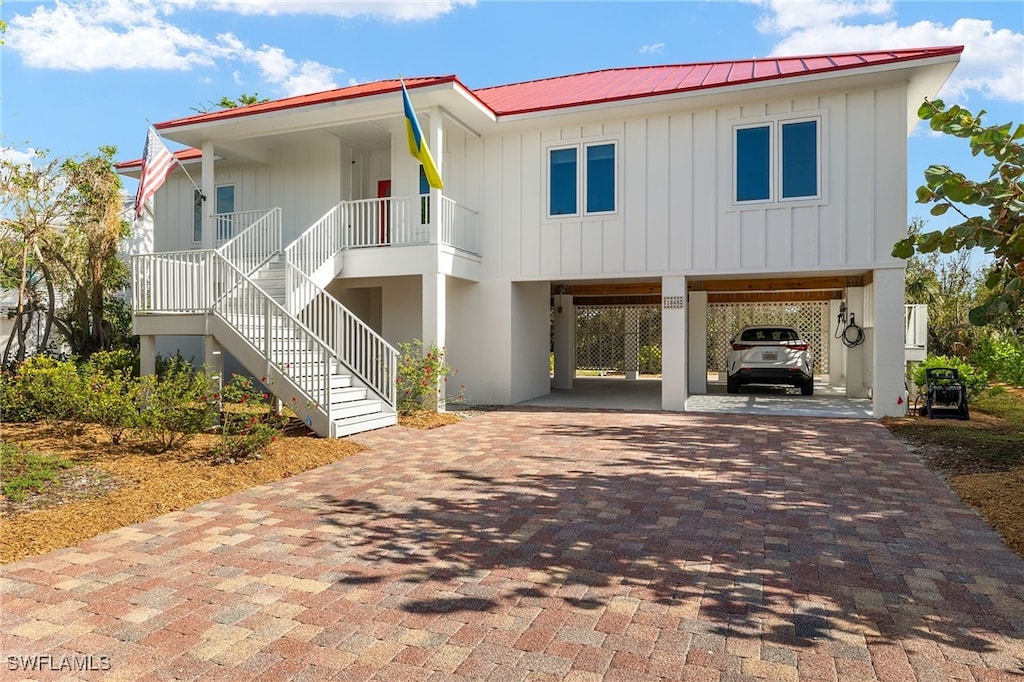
{"points": [[383, 192]]}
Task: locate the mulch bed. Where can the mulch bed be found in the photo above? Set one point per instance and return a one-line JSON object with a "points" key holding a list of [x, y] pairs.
{"points": [[112, 486]]}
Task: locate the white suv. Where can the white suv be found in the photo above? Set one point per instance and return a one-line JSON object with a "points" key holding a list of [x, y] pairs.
{"points": [[770, 355]]}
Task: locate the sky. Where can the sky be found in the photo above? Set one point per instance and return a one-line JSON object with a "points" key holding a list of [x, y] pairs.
{"points": [[79, 74]]}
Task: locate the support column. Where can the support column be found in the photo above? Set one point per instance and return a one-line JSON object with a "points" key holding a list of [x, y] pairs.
{"points": [[436, 145], [434, 306], [213, 361], [836, 356], [209, 189], [631, 345], [673, 343], [565, 342], [147, 355], [856, 374], [697, 341], [889, 347]]}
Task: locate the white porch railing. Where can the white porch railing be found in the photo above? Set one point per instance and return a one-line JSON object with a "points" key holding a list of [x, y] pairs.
{"points": [[458, 226], [319, 244], [256, 241], [172, 282], [391, 221]]}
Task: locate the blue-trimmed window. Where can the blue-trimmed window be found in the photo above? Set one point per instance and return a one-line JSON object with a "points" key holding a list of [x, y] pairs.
{"points": [[600, 178], [562, 181], [777, 160], [800, 159], [753, 163], [595, 176]]}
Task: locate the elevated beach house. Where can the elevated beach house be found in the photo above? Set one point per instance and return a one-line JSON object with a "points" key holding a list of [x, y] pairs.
{"points": [[684, 199]]}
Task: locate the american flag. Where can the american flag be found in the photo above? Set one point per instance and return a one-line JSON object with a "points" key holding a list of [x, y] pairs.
{"points": [[157, 164]]}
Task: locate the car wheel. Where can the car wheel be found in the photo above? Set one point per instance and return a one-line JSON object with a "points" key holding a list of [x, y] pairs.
{"points": [[732, 385], [807, 388]]}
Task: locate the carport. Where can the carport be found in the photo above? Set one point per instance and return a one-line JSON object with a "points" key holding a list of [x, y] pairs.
{"points": [[613, 329]]}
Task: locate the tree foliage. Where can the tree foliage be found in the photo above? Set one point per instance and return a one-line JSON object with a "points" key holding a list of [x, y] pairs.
{"points": [[226, 102], [999, 233], [59, 237]]}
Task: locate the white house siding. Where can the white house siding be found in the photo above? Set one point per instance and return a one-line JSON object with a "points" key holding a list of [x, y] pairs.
{"points": [[675, 210]]}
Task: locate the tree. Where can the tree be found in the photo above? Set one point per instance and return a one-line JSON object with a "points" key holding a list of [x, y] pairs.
{"points": [[59, 235], [1000, 233], [226, 102], [33, 203]]}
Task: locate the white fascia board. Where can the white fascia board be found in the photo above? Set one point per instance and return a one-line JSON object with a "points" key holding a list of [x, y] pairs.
{"points": [[377, 107]]}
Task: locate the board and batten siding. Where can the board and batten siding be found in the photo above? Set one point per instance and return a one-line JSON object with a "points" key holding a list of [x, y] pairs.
{"points": [[675, 210]]}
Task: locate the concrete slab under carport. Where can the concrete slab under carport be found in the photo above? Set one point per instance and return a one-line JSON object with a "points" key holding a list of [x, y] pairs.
{"points": [[616, 393]]}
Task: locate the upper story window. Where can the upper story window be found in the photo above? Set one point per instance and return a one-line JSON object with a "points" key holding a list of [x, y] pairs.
{"points": [[778, 160], [596, 177]]}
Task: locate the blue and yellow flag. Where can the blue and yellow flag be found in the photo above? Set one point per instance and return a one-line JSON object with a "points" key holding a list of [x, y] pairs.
{"points": [[417, 145]]}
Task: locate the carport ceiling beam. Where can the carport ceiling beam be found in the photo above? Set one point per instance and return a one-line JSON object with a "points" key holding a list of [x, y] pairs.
{"points": [[774, 296], [777, 284]]}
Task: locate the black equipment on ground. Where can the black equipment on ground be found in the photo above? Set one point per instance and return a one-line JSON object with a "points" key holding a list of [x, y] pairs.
{"points": [[945, 395]]}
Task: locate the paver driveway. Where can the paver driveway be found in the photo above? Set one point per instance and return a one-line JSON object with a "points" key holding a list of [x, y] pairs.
{"points": [[548, 545]]}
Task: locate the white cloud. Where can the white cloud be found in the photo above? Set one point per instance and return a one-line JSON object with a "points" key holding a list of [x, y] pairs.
{"points": [[18, 156], [139, 34], [654, 48], [991, 64], [295, 78], [410, 10]]}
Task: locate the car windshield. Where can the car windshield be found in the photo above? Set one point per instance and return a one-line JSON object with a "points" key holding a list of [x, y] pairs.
{"points": [[769, 334]]}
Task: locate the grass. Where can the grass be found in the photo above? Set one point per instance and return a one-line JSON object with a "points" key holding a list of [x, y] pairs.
{"points": [[24, 472]]}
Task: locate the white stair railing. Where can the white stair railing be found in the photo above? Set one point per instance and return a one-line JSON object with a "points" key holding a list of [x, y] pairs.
{"points": [[359, 349], [257, 243], [294, 353], [318, 246]]}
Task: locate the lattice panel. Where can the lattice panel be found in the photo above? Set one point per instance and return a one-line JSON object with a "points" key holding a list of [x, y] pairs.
{"points": [[605, 333], [810, 318]]}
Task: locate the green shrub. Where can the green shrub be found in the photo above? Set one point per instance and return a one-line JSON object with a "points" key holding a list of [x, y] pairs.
{"points": [[44, 389], [1002, 357], [110, 362], [116, 401], [26, 472], [973, 378], [178, 405], [422, 374]]}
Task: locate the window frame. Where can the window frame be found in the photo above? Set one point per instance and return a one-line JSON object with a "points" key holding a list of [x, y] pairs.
{"points": [[582, 178], [775, 125], [781, 124]]}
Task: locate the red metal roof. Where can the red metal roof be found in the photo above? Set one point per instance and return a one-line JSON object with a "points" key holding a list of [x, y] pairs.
{"points": [[613, 85], [181, 155], [594, 87], [337, 95]]}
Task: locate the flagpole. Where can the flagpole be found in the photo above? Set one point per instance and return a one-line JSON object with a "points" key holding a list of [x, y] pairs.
{"points": [[180, 164]]}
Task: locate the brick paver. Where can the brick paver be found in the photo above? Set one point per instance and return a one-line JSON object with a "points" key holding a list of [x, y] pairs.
{"points": [[532, 545]]}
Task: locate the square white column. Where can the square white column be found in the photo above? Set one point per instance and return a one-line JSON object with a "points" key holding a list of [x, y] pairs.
{"points": [[673, 343]]}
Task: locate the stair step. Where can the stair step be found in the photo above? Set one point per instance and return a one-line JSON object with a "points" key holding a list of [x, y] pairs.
{"points": [[346, 394], [355, 408], [353, 425]]}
